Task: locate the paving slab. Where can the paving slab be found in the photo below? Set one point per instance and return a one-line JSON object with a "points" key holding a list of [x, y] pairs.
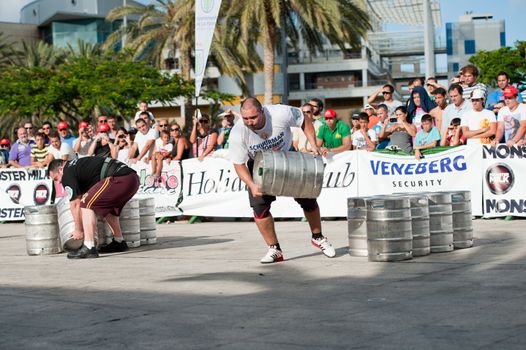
{"points": [[202, 287]]}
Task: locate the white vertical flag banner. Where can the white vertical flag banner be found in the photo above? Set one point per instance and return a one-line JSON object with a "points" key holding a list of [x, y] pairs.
{"points": [[206, 12]]}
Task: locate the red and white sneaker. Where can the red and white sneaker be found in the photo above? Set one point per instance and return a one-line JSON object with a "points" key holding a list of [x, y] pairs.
{"points": [[273, 255], [325, 246]]}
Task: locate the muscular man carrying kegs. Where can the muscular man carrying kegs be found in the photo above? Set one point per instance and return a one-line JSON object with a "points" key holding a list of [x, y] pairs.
{"points": [[95, 186], [268, 128]]}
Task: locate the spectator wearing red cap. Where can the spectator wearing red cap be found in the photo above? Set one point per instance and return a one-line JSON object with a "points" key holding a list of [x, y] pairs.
{"points": [[511, 120], [20, 153], [102, 146], [39, 151], [65, 136], [334, 135], [83, 142], [4, 153], [59, 149]]}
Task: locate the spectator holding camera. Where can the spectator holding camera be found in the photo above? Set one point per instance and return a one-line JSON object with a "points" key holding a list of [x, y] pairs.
{"points": [[453, 135], [203, 137], [400, 131], [102, 145], [83, 142]]}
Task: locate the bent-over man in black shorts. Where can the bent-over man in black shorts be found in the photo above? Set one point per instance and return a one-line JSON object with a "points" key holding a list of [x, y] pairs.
{"points": [[95, 186]]}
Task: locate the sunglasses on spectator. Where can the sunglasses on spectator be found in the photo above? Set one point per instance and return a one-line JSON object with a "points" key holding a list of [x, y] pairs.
{"points": [[386, 93], [62, 129], [121, 136], [163, 125], [103, 121], [204, 121], [307, 112], [175, 129]]}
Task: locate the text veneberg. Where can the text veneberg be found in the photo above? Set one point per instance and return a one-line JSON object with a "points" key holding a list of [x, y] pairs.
{"points": [[444, 165]]}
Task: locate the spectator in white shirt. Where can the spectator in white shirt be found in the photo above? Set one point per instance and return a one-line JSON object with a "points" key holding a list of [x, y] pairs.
{"points": [[478, 125], [144, 141], [59, 149]]}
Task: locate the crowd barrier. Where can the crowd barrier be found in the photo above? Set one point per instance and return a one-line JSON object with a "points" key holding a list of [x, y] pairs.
{"points": [[212, 188]]}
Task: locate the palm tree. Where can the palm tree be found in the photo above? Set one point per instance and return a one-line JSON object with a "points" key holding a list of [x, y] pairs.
{"points": [[342, 22], [39, 54], [169, 26], [6, 50]]}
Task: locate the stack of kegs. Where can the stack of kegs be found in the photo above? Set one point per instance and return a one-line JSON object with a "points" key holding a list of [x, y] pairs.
{"points": [[401, 226]]}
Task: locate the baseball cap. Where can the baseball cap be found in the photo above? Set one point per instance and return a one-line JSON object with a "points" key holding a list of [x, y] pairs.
{"points": [[83, 125], [62, 125], [478, 93], [510, 91], [103, 128], [368, 106], [329, 114], [226, 114], [132, 131], [4, 142], [355, 116]]}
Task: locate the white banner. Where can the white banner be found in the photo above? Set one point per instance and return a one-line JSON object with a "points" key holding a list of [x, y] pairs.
{"points": [[166, 190], [206, 12], [20, 188], [455, 169], [504, 192]]}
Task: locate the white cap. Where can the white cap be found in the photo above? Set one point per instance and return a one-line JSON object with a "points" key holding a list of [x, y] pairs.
{"points": [[368, 106], [478, 93]]}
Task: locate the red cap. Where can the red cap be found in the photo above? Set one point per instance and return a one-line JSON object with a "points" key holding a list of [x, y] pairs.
{"points": [[83, 125], [329, 114], [62, 125], [104, 127], [4, 142], [510, 91]]}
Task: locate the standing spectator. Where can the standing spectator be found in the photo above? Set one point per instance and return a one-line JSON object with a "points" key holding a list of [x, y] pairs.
{"points": [[334, 135], [4, 153], [122, 143], [371, 113], [299, 139], [83, 142], [144, 141], [382, 117], [387, 92], [47, 127], [457, 108], [181, 149], [162, 125], [414, 83], [30, 130], [419, 105], [439, 96], [431, 86], [39, 151], [59, 149], [112, 124], [20, 154], [364, 138], [428, 137], [479, 125], [102, 145], [317, 109], [203, 137], [511, 119], [453, 136], [65, 136], [496, 99], [400, 133], [224, 132], [163, 150], [470, 74], [143, 108]]}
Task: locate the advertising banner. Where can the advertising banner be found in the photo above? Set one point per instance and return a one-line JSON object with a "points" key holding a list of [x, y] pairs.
{"points": [[455, 169], [22, 187], [504, 193]]}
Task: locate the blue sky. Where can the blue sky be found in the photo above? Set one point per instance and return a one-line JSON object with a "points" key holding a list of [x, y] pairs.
{"points": [[513, 11]]}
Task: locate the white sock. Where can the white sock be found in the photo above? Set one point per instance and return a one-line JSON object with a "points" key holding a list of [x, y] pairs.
{"points": [[118, 239], [89, 244]]}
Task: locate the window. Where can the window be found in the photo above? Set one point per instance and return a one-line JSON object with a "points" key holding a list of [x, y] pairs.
{"points": [[469, 47]]}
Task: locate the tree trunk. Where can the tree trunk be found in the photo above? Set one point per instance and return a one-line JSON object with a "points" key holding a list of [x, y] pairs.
{"points": [[268, 68], [186, 57]]}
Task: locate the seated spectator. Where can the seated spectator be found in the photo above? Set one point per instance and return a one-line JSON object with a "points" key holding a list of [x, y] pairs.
{"points": [[59, 149], [364, 138], [39, 151], [511, 121], [203, 137], [163, 150], [65, 136], [428, 137], [401, 132], [382, 117], [143, 142], [299, 140], [4, 153], [20, 154], [355, 122], [122, 142], [102, 145], [371, 113], [224, 132], [84, 141], [453, 135], [419, 105], [334, 135], [478, 125], [181, 149]]}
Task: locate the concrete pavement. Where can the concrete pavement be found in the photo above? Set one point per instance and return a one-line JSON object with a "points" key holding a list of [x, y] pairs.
{"points": [[202, 287]]}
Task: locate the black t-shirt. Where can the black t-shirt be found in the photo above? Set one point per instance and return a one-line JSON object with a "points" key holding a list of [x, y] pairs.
{"points": [[81, 174], [102, 151]]}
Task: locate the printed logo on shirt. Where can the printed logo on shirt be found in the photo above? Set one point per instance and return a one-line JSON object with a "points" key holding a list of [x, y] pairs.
{"points": [[274, 143], [337, 136], [297, 114], [69, 191]]}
